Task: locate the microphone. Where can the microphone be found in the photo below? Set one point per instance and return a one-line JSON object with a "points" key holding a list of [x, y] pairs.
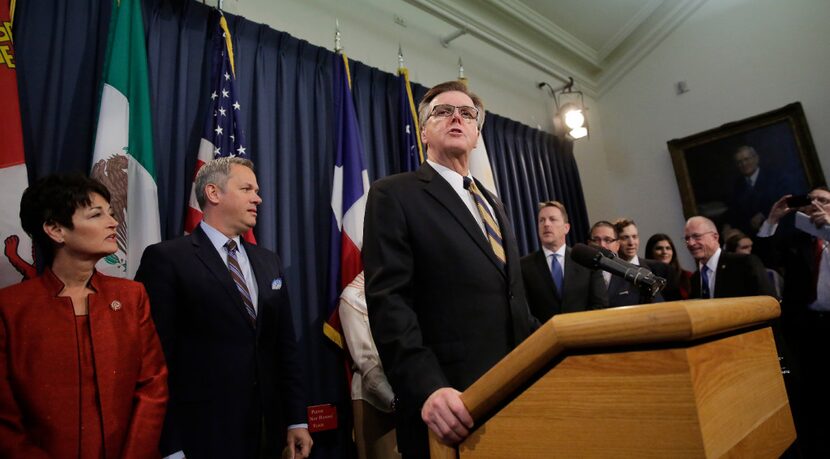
{"points": [[604, 259]]}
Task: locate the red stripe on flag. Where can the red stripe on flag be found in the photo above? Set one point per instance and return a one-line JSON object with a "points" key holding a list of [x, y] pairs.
{"points": [[199, 164], [350, 262], [191, 219]]}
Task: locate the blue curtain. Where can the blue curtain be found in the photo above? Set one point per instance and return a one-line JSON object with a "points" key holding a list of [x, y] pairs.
{"points": [[285, 90], [531, 166]]}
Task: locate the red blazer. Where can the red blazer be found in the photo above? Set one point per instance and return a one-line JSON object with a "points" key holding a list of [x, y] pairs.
{"points": [[40, 381]]}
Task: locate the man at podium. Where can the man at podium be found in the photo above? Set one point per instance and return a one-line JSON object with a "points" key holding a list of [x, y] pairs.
{"points": [[443, 281]]}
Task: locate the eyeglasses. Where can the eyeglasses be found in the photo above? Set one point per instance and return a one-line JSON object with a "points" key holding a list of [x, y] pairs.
{"points": [[446, 110], [600, 240], [821, 200], [696, 236]]}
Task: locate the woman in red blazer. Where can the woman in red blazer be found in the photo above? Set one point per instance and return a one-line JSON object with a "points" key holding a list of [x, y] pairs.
{"points": [[82, 374]]}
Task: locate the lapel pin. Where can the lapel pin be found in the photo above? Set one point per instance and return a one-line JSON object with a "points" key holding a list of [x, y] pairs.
{"points": [[276, 284], [115, 305]]}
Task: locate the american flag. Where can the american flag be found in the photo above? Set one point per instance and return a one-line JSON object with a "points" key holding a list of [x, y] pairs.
{"points": [[222, 134]]}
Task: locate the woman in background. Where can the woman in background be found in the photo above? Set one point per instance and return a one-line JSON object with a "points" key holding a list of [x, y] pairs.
{"points": [[739, 243], [660, 247], [82, 374]]}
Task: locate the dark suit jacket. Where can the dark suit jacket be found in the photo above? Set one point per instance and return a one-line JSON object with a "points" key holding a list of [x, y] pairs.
{"points": [[624, 293], [793, 253], [40, 401], [583, 288], [737, 275], [442, 311], [226, 375]]}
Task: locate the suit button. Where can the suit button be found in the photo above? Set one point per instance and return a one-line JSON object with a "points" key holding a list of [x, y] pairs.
{"points": [[510, 294], [255, 383]]}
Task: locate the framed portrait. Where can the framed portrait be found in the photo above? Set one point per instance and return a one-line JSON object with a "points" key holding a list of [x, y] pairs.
{"points": [[733, 174]]}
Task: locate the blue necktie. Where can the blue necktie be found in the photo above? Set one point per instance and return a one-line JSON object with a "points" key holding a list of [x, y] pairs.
{"points": [[704, 279], [556, 272]]}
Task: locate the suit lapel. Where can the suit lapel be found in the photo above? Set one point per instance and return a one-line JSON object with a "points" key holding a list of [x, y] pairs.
{"points": [[720, 275], [501, 217], [695, 284], [619, 287], [543, 269], [213, 262], [261, 274], [568, 273], [447, 197]]}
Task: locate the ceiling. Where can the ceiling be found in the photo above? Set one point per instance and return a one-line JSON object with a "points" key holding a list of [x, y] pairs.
{"points": [[594, 41]]}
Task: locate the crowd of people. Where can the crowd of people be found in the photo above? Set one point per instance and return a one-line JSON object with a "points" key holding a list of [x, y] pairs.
{"points": [[197, 357], [784, 259]]}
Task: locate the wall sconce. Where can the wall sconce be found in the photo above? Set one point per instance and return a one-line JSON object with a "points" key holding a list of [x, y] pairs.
{"points": [[570, 110]]}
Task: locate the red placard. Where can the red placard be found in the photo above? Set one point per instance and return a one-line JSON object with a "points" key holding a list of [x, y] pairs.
{"points": [[322, 417]]}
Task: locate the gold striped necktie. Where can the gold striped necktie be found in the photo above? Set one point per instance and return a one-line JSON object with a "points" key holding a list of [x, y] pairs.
{"points": [[490, 224]]}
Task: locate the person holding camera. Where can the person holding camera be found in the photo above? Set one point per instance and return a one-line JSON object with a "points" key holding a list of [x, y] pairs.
{"points": [[801, 255]]}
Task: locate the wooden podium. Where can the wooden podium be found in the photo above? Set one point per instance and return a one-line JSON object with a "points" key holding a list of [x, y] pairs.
{"points": [[693, 379]]}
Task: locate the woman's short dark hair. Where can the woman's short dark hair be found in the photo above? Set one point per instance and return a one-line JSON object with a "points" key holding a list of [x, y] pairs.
{"points": [[54, 199]]}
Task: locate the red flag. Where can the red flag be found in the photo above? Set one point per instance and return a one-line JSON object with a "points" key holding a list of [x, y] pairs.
{"points": [[16, 263]]}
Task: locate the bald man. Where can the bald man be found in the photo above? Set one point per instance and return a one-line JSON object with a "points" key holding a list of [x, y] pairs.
{"points": [[721, 274]]}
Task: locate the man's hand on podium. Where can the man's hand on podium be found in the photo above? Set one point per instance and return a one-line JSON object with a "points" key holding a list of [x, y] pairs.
{"points": [[445, 414]]}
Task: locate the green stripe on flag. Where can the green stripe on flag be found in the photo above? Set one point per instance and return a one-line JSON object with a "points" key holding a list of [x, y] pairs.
{"points": [[126, 71]]}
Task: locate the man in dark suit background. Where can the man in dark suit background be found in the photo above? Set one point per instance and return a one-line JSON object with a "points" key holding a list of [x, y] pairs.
{"points": [[553, 282], [720, 274], [620, 291], [443, 281], [221, 309], [804, 261]]}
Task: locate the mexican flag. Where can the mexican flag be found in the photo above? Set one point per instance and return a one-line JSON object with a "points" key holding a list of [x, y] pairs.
{"points": [[123, 157]]}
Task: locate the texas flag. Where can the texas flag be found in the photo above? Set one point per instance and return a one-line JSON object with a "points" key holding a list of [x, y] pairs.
{"points": [[16, 263], [348, 197]]}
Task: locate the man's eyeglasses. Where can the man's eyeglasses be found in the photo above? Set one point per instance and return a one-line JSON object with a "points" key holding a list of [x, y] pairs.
{"points": [[600, 240], [446, 110], [821, 200], [696, 236]]}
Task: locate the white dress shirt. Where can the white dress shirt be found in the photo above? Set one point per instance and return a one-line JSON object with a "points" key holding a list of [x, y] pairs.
{"points": [[456, 181], [560, 255], [219, 240]]}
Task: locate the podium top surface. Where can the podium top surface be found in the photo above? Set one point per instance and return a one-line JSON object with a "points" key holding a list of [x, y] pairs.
{"points": [[631, 325]]}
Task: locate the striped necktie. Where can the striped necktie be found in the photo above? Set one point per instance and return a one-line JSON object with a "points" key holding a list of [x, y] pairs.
{"points": [[239, 278], [490, 225]]}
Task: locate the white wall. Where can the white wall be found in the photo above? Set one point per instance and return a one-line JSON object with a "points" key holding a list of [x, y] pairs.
{"points": [[740, 58], [370, 35]]}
